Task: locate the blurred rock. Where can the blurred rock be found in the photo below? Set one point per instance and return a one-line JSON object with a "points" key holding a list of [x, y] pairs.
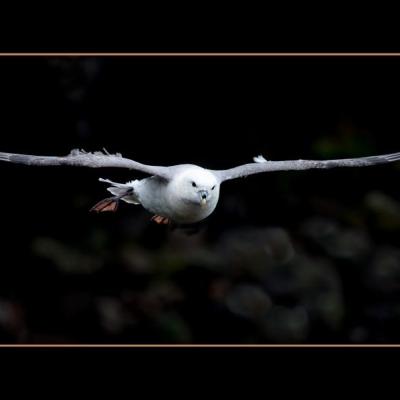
{"points": [[12, 323], [313, 283], [173, 328], [286, 325], [182, 250], [137, 259], [248, 301], [158, 296], [385, 210], [321, 290], [339, 242], [327, 307], [67, 258], [320, 229], [351, 244], [219, 289], [383, 274], [358, 335], [255, 250], [113, 316]]}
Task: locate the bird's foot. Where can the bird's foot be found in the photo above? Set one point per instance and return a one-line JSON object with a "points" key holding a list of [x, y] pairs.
{"points": [[158, 219], [109, 204]]}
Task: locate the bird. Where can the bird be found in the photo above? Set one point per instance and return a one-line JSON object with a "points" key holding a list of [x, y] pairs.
{"points": [[180, 194]]}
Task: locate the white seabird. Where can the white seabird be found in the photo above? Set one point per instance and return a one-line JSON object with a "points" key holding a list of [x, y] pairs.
{"points": [[183, 193]]}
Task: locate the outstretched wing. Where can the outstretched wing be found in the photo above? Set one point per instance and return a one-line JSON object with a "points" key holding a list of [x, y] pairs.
{"points": [[262, 165], [80, 158]]}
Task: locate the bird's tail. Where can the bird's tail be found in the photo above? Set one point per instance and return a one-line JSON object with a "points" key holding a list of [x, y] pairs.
{"points": [[125, 191]]}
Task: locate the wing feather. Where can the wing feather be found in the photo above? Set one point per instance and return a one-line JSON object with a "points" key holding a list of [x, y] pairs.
{"points": [[80, 158], [262, 165]]}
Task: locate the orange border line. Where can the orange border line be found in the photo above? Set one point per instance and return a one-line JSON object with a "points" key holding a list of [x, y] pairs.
{"points": [[193, 54], [203, 345]]}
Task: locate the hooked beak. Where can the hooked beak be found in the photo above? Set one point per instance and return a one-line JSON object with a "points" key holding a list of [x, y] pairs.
{"points": [[203, 197]]}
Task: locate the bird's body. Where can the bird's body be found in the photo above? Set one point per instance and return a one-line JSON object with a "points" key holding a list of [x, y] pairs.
{"points": [[173, 199], [184, 193]]}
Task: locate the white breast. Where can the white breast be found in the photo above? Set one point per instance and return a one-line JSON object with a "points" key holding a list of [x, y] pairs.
{"points": [[169, 199]]}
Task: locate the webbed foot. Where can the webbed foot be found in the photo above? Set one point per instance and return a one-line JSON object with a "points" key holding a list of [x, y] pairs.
{"points": [[109, 204], [158, 219]]}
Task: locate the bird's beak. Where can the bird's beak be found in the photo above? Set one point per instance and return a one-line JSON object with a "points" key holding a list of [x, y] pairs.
{"points": [[203, 197]]}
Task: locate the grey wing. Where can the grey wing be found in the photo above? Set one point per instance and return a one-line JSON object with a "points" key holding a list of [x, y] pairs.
{"points": [[262, 165], [80, 158]]}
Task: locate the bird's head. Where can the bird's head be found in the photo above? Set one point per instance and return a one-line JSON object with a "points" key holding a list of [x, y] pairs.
{"points": [[198, 186]]}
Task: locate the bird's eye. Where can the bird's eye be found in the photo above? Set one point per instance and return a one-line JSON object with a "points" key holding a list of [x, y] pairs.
{"points": [[194, 184], [213, 187]]}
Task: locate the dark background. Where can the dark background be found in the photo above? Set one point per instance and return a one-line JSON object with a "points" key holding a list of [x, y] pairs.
{"points": [[289, 257]]}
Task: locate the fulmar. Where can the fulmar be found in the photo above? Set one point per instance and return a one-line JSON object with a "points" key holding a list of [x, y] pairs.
{"points": [[185, 193]]}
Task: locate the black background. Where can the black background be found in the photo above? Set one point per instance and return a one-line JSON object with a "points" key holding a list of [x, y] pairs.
{"points": [[68, 276]]}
